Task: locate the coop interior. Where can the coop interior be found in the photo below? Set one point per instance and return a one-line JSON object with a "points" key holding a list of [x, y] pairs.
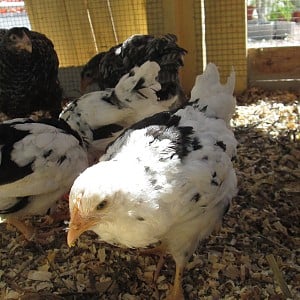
{"points": [[255, 255]]}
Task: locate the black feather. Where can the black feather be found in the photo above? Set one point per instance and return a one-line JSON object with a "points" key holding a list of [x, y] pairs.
{"points": [[61, 124], [106, 68], [221, 145], [9, 170], [140, 84], [106, 131], [113, 100], [22, 202], [166, 118]]}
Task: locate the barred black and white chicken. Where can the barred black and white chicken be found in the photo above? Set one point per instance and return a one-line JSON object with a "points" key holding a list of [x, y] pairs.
{"points": [[28, 74], [106, 68], [167, 181], [39, 160]]}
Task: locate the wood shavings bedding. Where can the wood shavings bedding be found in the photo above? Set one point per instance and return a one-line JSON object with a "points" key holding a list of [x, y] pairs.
{"points": [[231, 264]]}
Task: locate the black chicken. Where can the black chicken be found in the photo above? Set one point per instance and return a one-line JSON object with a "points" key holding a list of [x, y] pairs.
{"points": [[2, 33], [28, 73], [105, 69]]}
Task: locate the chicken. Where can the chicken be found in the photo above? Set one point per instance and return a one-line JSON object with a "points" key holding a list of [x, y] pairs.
{"points": [[165, 182], [106, 68], [28, 74], [2, 33], [133, 99], [39, 160]]}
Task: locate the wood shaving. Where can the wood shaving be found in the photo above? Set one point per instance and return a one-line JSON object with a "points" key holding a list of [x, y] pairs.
{"points": [[231, 264]]}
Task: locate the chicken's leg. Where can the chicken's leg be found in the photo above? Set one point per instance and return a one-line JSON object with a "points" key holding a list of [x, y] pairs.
{"points": [[30, 233], [59, 214], [159, 250], [55, 217], [177, 291], [27, 230]]}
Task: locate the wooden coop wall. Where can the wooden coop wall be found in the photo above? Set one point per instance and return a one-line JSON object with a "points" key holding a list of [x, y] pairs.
{"points": [[274, 68], [211, 31]]}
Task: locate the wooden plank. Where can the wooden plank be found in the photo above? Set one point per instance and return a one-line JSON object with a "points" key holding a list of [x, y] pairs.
{"points": [[276, 84], [274, 63], [179, 19], [187, 25], [52, 21]]}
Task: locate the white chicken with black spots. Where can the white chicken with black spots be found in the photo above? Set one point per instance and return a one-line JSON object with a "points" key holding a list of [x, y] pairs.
{"points": [[133, 99], [39, 160], [165, 182]]}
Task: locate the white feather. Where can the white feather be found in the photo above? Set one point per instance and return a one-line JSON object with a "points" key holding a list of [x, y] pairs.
{"points": [[133, 105], [169, 182], [56, 157], [50, 177], [218, 98]]}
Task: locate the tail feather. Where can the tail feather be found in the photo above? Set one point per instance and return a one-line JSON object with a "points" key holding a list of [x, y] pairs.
{"points": [[141, 80], [212, 97], [138, 91]]}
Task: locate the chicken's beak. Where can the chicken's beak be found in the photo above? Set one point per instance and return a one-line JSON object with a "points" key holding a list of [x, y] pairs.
{"points": [[24, 43], [88, 85], [78, 225], [84, 83]]}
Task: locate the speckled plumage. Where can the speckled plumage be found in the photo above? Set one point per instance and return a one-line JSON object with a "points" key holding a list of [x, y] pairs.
{"points": [[133, 99], [106, 68], [40, 159], [28, 79], [168, 179]]}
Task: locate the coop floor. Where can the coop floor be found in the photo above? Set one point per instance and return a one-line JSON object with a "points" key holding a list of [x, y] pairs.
{"points": [[231, 264]]}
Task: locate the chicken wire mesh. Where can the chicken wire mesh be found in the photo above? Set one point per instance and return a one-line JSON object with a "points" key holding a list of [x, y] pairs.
{"points": [[210, 30], [225, 37], [81, 29]]}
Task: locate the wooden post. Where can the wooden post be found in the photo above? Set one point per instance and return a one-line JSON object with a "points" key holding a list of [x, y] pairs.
{"points": [[226, 44], [179, 18]]}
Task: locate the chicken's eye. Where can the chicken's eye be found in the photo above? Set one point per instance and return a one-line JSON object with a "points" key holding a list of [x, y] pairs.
{"points": [[88, 75], [101, 205], [13, 37]]}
